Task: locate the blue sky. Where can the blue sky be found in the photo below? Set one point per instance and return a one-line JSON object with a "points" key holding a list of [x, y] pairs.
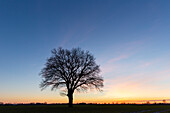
{"points": [[129, 39]]}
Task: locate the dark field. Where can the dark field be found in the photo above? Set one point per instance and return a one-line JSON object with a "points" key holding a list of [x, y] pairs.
{"points": [[86, 109]]}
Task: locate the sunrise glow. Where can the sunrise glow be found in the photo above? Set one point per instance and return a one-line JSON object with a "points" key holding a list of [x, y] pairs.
{"points": [[129, 39]]}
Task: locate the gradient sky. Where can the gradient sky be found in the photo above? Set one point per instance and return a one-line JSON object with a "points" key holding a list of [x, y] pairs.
{"points": [[130, 40]]}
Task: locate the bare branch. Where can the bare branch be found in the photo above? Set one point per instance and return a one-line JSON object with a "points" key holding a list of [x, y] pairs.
{"points": [[74, 69]]}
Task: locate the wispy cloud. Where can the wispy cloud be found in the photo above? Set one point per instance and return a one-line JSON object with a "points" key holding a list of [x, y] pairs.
{"points": [[125, 51], [118, 58], [67, 37], [139, 85], [146, 64], [107, 68]]}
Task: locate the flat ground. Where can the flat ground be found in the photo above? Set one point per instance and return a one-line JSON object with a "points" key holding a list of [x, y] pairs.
{"points": [[86, 109]]}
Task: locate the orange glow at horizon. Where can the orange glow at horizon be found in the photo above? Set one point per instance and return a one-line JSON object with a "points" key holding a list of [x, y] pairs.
{"points": [[80, 100], [134, 88]]}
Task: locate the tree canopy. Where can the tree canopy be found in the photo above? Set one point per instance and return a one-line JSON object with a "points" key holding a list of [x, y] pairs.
{"points": [[73, 69]]}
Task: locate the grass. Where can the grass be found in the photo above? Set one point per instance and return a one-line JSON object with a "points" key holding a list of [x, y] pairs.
{"points": [[85, 109]]}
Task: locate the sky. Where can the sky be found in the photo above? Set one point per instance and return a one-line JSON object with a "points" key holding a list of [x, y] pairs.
{"points": [[129, 39]]}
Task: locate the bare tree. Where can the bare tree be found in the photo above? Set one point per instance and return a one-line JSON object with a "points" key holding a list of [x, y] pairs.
{"points": [[72, 70]]}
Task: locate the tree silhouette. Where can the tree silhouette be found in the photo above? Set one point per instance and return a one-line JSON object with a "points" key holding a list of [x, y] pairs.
{"points": [[72, 70]]}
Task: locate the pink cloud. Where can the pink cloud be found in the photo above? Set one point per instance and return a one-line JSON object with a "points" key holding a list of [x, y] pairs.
{"points": [[127, 49], [107, 68], [149, 63], [67, 37], [118, 58], [138, 85], [146, 64], [125, 88]]}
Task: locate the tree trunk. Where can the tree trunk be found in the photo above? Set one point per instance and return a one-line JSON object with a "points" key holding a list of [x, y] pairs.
{"points": [[70, 98]]}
